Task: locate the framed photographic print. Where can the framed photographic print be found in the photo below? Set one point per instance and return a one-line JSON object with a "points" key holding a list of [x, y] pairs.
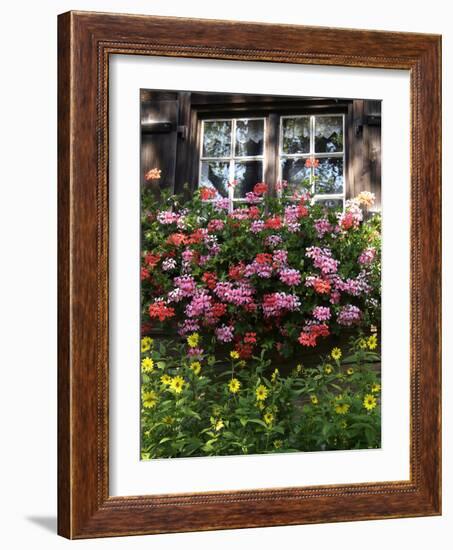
{"points": [[249, 275]]}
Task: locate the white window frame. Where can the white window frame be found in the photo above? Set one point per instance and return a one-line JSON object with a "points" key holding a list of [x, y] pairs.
{"points": [[313, 155], [232, 159]]}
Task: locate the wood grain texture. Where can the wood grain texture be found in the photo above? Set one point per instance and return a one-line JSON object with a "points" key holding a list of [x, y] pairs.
{"points": [[85, 42]]}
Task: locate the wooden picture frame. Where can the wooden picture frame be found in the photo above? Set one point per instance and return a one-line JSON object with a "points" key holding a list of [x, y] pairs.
{"points": [[85, 41]]}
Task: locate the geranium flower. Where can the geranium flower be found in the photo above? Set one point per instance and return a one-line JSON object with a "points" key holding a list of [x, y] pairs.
{"points": [[260, 188], [207, 193], [160, 310]]}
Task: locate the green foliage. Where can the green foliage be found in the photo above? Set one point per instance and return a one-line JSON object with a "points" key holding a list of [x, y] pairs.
{"points": [[310, 409]]}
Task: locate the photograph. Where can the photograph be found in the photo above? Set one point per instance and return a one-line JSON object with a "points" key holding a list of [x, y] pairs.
{"points": [[260, 270]]}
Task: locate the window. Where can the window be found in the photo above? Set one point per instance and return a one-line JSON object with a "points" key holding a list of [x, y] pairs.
{"points": [[310, 150], [232, 150]]}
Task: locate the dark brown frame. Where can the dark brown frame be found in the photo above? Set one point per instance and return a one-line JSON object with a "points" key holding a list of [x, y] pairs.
{"points": [[86, 40]]}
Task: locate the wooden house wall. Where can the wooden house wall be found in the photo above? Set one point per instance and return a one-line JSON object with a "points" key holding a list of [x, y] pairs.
{"points": [[174, 147]]}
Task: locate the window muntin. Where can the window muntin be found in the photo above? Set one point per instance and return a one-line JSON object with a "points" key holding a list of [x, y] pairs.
{"points": [[232, 150], [311, 147]]}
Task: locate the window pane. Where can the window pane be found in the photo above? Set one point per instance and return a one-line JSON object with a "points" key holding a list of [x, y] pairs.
{"points": [[215, 175], [295, 172], [249, 138], [331, 203], [329, 176], [328, 134], [296, 135], [247, 175], [217, 138]]}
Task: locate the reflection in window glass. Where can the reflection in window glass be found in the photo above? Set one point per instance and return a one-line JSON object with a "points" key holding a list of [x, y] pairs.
{"points": [[328, 134], [215, 175], [249, 138], [331, 203], [217, 138], [295, 172], [329, 176], [295, 135], [247, 175]]}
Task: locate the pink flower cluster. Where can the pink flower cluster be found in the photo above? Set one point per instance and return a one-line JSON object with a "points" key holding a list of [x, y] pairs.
{"points": [[200, 304], [367, 256], [323, 226], [240, 294], [321, 313], [322, 259], [349, 315], [277, 303], [225, 333], [290, 277]]}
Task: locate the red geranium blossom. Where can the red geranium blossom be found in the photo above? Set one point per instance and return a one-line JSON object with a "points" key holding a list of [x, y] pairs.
{"points": [[236, 272], [144, 274], [312, 162], [321, 286], [210, 279], [260, 188], [253, 213], [161, 311], [250, 338], [273, 223], [245, 350], [177, 239], [263, 258], [152, 259], [310, 334], [207, 194]]}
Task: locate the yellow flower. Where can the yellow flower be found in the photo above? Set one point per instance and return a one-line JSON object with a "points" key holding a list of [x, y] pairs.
{"points": [[275, 375], [261, 392], [234, 355], [165, 379], [147, 365], [314, 399], [242, 363], [177, 384], [372, 341], [342, 408], [219, 424], [234, 386], [278, 443], [336, 354], [328, 369], [268, 418], [196, 367], [149, 399], [146, 344], [350, 371], [369, 402], [193, 340], [375, 388], [363, 343], [260, 405]]}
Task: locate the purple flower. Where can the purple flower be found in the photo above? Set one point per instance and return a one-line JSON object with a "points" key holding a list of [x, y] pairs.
{"points": [[167, 217], [290, 277], [349, 315], [188, 326], [280, 257], [367, 256], [186, 284], [321, 313], [273, 240], [257, 226], [322, 227], [322, 259], [200, 304], [222, 204], [225, 333]]}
